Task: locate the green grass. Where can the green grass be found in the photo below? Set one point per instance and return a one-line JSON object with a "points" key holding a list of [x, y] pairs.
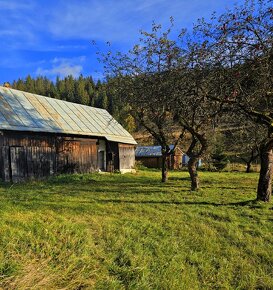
{"points": [[132, 232]]}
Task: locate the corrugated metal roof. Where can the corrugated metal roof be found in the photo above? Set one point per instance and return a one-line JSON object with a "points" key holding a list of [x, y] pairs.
{"points": [[21, 111], [150, 151]]}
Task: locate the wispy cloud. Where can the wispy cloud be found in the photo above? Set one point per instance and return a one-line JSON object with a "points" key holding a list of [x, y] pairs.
{"points": [[15, 5], [16, 62], [36, 31], [17, 23], [108, 20], [63, 67], [29, 22], [121, 20]]}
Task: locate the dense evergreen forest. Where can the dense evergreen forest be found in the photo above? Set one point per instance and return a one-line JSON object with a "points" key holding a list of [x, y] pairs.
{"points": [[81, 90]]}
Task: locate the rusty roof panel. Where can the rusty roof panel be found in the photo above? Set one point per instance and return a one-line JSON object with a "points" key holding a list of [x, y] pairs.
{"points": [[85, 117], [112, 123], [32, 113], [73, 113], [41, 113], [9, 114], [66, 114], [3, 120], [21, 111], [103, 123], [93, 118], [18, 108], [55, 114]]}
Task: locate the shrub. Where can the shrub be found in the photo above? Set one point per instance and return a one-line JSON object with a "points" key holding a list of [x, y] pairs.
{"points": [[219, 160]]}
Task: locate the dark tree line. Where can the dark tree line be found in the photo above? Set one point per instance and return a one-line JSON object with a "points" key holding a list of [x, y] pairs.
{"points": [[82, 90]]}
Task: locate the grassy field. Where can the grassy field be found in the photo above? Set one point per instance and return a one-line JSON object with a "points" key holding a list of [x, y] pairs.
{"points": [[132, 232]]}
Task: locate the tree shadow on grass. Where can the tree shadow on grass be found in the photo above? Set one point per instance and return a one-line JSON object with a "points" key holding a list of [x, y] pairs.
{"points": [[227, 187], [83, 206], [179, 178], [251, 203]]}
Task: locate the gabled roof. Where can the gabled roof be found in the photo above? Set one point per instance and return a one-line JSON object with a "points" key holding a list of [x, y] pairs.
{"points": [[150, 151], [21, 111]]}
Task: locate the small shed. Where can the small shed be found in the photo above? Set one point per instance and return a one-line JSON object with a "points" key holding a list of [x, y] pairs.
{"points": [[41, 136], [151, 157]]}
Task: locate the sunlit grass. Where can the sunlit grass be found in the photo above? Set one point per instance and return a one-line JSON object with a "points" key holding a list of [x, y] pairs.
{"points": [[132, 232]]}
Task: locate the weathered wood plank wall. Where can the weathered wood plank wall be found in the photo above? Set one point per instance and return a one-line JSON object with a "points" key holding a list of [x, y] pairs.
{"points": [[126, 156], [76, 155], [173, 162], [29, 156], [33, 156]]}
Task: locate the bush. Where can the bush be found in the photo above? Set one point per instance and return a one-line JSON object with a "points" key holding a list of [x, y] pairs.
{"points": [[219, 160], [139, 165]]}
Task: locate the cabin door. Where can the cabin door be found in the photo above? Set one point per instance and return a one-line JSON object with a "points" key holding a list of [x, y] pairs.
{"points": [[18, 163], [30, 162], [101, 160], [102, 155]]}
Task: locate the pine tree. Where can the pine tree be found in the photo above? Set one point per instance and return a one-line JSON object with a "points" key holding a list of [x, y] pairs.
{"points": [[69, 89], [130, 123], [104, 100], [19, 85], [90, 89], [60, 88], [29, 84], [81, 95]]}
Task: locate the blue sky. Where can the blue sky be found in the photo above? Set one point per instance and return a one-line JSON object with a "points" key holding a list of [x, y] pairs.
{"points": [[46, 37]]}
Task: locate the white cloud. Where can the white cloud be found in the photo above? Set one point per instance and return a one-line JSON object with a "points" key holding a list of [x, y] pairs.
{"points": [[63, 67], [32, 31], [33, 24]]}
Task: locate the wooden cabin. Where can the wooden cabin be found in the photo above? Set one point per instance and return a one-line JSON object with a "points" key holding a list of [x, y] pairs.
{"points": [[151, 157], [41, 136]]}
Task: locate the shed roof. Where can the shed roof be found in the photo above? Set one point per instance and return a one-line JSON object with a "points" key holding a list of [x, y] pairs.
{"points": [[21, 111], [150, 151]]}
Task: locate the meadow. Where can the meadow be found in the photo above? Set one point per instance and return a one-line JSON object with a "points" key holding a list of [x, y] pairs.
{"points": [[112, 231]]}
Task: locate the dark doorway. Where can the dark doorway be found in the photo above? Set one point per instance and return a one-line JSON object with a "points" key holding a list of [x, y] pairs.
{"points": [[101, 160], [18, 163]]}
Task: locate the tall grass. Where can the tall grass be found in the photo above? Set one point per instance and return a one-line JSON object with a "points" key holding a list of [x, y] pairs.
{"points": [[132, 232]]}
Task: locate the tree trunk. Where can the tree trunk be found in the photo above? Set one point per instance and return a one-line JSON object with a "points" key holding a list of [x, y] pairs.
{"points": [[253, 157], [248, 166], [195, 155], [193, 173], [164, 168], [266, 173]]}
